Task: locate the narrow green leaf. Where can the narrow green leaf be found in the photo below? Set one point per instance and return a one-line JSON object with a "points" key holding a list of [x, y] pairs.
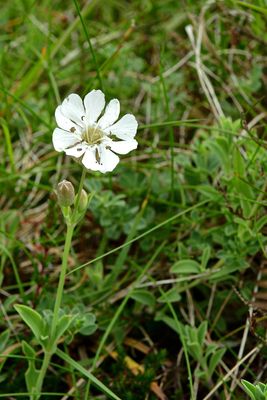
{"points": [[4, 336], [244, 189], [219, 147], [238, 163], [201, 332], [9, 147], [215, 359], [87, 374], [262, 10], [260, 223]]}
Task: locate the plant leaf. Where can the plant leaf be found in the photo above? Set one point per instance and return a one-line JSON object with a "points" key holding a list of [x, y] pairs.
{"points": [[215, 359], [62, 325], [32, 318], [95, 381], [170, 296], [254, 392], [32, 373], [4, 336], [186, 267], [144, 297], [201, 332]]}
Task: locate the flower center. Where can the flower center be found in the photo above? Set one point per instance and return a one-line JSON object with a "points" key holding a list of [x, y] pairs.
{"points": [[92, 135]]}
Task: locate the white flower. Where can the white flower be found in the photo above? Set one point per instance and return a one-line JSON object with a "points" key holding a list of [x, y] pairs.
{"points": [[82, 134]]}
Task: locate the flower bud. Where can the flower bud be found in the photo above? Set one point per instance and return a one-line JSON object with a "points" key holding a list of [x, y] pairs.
{"points": [[65, 193], [83, 202]]}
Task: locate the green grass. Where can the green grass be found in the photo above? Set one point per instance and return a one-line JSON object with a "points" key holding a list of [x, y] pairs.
{"points": [[170, 256]]}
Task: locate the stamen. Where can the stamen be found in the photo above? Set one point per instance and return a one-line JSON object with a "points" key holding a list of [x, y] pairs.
{"points": [[93, 135]]}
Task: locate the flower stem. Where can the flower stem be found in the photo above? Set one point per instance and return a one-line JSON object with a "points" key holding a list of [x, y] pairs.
{"points": [[70, 229], [52, 346], [78, 195]]}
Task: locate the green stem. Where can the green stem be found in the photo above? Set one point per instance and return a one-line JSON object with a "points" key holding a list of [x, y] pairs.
{"points": [[52, 347], [171, 134], [41, 376], [70, 229], [89, 43], [78, 195]]}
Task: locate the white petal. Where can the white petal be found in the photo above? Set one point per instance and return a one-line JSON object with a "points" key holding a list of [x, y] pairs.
{"points": [[105, 161], [108, 160], [94, 103], [62, 139], [123, 146], [89, 159], [111, 114], [73, 109], [65, 123], [125, 128], [77, 150]]}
